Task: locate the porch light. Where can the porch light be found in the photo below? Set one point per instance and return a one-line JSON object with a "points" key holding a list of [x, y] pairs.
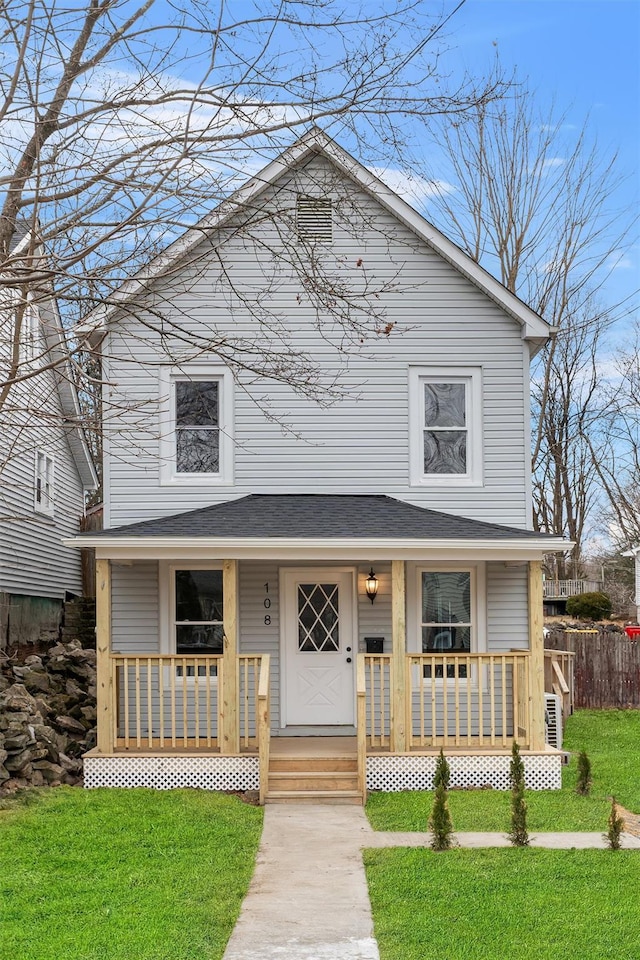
{"points": [[371, 586]]}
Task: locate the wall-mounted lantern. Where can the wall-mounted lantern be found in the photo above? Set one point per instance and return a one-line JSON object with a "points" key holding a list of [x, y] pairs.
{"points": [[371, 586]]}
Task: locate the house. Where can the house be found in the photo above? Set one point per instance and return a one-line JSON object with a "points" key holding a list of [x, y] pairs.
{"points": [[45, 467], [295, 597], [635, 553]]}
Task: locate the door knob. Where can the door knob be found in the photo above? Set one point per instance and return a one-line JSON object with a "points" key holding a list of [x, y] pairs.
{"points": [[348, 659]]}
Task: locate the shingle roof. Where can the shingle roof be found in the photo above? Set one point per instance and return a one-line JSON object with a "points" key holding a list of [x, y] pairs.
{"points": [[323, 516]]}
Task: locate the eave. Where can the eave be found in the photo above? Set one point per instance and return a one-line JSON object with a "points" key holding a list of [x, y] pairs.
{"points": [[326, 549]]}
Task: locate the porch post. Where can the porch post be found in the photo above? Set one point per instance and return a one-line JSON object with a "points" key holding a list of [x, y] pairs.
{"points": [[398, 657], [536, 647], [104, 700], [229, 734]]}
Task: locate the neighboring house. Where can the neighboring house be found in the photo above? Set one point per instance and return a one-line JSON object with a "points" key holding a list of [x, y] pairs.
{"points": [[635, 553], [45, 471], [293, 596]]}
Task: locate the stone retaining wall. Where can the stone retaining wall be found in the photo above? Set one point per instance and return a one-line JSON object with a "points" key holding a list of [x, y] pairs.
{"points": [[47, 716]]}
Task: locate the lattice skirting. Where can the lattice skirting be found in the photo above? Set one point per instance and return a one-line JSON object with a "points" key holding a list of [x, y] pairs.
{"points": [[390, 774], [168, 773]]}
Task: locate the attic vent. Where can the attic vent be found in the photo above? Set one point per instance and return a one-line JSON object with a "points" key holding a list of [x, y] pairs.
{"points": [[314, 219]]}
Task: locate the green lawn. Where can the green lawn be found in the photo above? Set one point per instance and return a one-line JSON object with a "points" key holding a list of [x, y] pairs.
{"points": [[510, 903], [124, 874], [612, 741]]}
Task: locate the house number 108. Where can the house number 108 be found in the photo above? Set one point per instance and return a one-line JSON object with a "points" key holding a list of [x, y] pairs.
{"points": [[266, 603]]}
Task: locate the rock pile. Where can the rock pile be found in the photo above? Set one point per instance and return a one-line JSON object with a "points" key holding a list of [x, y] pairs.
{"points": [[47, 717]]}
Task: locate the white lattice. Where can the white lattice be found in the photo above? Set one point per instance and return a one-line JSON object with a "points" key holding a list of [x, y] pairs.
{"points": [[168, 773], [391, 774]]}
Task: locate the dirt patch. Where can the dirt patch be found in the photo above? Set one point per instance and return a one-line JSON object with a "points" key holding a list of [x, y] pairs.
{"points": [[631, 821]]}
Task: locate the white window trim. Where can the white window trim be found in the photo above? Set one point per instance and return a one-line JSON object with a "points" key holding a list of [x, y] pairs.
{"points": [[167, 598], [48, 509], [478, 573], [193, 372], [472, 378]]}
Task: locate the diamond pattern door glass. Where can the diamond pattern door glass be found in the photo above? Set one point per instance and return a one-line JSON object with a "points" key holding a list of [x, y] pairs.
{"points": [[318, 626]]}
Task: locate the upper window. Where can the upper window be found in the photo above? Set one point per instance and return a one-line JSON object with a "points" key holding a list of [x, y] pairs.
{"points": [[195, 444], [43, 501], [197, 404], [314, 219], [446, 425]]}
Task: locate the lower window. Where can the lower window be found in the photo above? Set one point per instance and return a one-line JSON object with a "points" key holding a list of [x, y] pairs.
{"points": [[446, 618], [198, 623]]}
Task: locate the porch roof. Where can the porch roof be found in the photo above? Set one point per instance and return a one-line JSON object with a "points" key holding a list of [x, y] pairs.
{"points": [[316, 526]]}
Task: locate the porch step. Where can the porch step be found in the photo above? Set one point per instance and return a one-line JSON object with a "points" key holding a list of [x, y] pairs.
{"points": [[314, 796], [314, 780], [313, 773]]}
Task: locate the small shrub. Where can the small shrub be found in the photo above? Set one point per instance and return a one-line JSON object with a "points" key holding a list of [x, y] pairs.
{"points": [[583, 784], [442, 774], [615, 826], [440, 821], [590, 606], [518, 835]]}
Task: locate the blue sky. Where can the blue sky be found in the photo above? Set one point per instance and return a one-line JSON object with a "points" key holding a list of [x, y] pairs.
{"points": [[584, 55]]}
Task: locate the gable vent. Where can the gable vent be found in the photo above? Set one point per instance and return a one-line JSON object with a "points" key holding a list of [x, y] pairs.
{"points": [[314, 219]]}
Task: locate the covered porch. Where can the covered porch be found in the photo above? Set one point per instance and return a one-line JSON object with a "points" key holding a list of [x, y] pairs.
{"points": [[211, 720]]}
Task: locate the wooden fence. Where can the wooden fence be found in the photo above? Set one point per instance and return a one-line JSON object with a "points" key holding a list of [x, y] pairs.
{"points": [[607, 667]]}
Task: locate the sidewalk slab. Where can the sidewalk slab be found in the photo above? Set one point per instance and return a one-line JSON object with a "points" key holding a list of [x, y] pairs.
{"points": [[308, 899], [549, 841]]}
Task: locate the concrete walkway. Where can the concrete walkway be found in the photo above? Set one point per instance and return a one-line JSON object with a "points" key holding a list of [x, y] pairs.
{"points": [[308, 899]]}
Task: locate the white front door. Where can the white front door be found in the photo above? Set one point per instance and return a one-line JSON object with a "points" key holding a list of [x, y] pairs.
{"points": [[319, 647]]}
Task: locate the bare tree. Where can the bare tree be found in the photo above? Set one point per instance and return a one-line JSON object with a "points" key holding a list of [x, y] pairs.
{"points": [[533, 201], [124, 122]]}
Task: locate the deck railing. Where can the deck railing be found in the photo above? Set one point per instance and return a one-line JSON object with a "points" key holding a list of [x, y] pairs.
{"points": [[452, 700], [560, 589], [264, 724]]}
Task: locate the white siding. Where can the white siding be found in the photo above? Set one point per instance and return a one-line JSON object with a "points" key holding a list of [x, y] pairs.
{"points": [[284, 443], [33, 560], [135, 608], [507, 607]]}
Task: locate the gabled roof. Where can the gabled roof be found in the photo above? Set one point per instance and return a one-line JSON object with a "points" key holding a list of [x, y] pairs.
{"points": [[267, 522], [314, 142]]}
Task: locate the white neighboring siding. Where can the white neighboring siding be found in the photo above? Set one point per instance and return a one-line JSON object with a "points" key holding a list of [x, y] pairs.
{"points": [[507, 607], [359, 444], [33, 560], [135, 608]]}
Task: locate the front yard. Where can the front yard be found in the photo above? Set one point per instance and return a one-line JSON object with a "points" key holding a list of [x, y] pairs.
{"points": [[612, 741], [499, 904], [493, 904], [124, 874]]}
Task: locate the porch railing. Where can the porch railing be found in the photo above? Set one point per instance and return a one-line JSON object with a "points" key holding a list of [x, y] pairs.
{"points": [[452, 700], [174, 702], [559, 677]]}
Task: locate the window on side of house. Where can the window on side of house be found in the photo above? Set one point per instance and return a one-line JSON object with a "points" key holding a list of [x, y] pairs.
{"points": [[198, 616], [447, 616], [44, 483], [446, 427], [29, 333]]}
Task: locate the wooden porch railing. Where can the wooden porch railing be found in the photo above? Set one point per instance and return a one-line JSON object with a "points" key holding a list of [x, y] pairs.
{"points": [[174, 702], [559, 677], [453, 700], [264, 724]]}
